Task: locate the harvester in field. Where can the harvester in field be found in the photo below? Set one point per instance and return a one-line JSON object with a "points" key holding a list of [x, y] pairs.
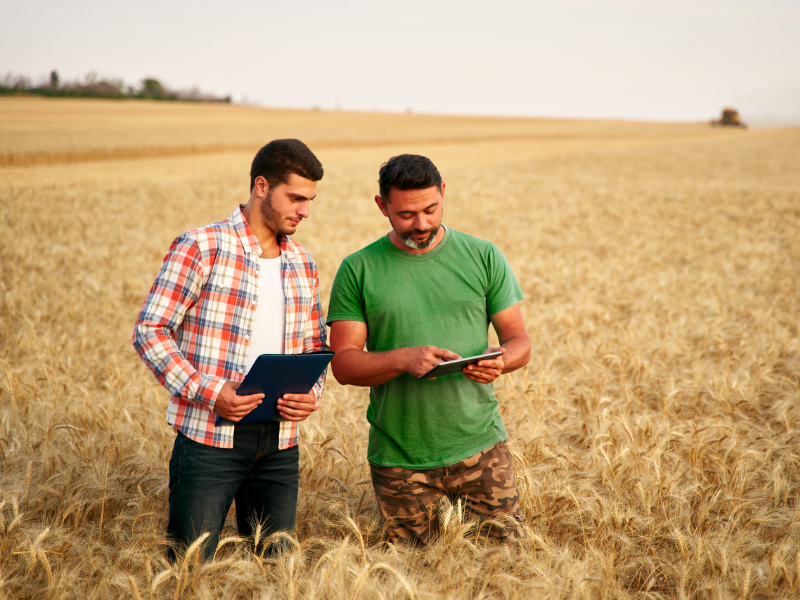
{"points": [[729, 118]]}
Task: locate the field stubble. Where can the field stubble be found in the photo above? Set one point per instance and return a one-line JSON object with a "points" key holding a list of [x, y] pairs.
{"points": [[656, 431]]}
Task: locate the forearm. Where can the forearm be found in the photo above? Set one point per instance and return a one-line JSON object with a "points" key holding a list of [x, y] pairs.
{"points": [[358, 367], [518, 353]]}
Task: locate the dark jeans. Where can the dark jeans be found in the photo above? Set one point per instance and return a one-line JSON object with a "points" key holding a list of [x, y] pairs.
{"points": [[204, 481]]}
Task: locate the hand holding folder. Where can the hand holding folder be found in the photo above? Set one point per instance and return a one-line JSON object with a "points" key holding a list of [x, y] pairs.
{"points": [[277, 374]]}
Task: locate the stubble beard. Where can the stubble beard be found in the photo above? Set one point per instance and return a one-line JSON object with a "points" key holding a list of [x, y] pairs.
{"points": [[273, 219], [426, 243]]}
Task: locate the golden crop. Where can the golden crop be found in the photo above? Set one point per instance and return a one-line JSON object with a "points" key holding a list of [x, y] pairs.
{"points": [[656, 430]]}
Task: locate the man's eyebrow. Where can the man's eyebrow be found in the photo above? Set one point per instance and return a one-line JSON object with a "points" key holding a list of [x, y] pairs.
{"points": [[301, 197]]}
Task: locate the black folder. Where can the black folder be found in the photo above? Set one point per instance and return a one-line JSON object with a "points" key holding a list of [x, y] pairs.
{"points": [[277, 374]]}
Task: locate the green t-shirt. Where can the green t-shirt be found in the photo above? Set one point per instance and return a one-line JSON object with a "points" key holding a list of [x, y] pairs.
{"points": [[444, 298]]}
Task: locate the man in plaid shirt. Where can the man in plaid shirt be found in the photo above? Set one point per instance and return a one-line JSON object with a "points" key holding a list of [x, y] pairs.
{"points": [[226, 293]]}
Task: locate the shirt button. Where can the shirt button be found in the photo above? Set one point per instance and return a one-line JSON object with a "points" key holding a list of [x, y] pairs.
{"points": [[247, 337], [254, 302], [259, 251], [241, 370]]}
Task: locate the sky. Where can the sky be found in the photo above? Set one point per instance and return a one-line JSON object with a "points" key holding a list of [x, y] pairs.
{"points": [[675, 61]]}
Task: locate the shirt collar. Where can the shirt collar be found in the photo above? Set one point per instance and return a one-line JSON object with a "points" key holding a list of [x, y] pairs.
{"points": [[250, 241]]}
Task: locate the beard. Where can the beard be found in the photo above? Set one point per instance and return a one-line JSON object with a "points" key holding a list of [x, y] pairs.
{"points": [[273, 219], [426, 243]]}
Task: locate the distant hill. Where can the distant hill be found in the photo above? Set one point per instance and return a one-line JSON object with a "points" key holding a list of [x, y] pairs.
{"points": [[94, 87]]}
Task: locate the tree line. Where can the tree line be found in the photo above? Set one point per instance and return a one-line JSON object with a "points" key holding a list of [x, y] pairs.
{"points": [[93, 86]]}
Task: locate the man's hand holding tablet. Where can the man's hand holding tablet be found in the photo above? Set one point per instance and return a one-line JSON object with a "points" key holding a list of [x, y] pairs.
{"points": [[421, 359], [487, 370], [483, 368]]}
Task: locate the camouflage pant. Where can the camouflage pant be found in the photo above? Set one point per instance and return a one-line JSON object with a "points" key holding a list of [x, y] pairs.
{"points": [[411, 501]]}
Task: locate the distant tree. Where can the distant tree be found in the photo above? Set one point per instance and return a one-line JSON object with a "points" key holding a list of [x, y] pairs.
{"points": [[152, 88], [54, 79], [14, 84]]}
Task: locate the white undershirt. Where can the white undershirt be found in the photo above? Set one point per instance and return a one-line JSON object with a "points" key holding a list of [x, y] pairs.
{"points": [[269, 322]]}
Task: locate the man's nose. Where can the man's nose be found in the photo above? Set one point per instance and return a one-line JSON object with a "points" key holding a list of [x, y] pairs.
{"points": [[304, 210], [420, 223]]}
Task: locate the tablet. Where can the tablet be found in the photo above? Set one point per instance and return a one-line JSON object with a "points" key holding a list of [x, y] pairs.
{"points": [[275, 375], [449, 367]]}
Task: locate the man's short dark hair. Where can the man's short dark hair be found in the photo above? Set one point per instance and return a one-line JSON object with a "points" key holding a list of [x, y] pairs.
{"points": [[281, 158], [408, 172]]}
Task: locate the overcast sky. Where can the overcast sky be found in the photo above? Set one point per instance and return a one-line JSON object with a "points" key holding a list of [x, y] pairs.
{"points": [[679, 60]]}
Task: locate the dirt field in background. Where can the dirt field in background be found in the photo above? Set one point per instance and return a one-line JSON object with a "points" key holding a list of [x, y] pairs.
{"points": [[656, 430]]}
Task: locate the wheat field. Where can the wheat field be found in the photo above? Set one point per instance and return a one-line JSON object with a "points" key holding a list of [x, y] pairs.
{"points": [[656, 431]]}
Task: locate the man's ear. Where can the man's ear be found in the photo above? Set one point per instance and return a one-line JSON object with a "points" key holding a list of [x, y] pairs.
{"points": [[261, 186], [382, 205], [442, 192]]}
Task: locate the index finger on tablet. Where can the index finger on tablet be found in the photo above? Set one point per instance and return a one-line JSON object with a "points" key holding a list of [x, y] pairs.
{"points": [[446, 354]]}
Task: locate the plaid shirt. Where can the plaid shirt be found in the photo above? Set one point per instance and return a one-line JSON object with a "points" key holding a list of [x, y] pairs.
{"points": [[194, 329]]}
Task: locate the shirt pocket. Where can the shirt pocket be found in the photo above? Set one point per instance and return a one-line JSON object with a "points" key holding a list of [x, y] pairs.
{"points": [[299, 307], [222, 284], [300, 293]]}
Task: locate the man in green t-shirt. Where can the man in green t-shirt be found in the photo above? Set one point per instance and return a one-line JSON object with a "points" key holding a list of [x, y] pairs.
{"points": [[419, 295]]}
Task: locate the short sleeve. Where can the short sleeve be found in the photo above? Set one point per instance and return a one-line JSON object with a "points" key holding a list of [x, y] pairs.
{"points": [[504, 291], [346, 303]]}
